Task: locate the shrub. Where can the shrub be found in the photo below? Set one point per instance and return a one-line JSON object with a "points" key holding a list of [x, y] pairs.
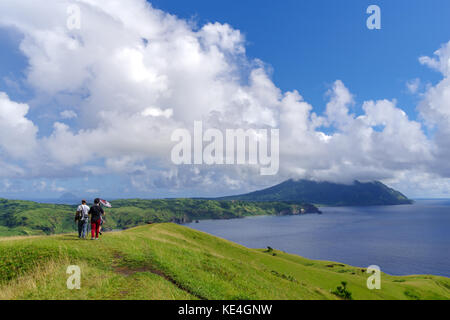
{"points": [[342, 292], [412, 295]]}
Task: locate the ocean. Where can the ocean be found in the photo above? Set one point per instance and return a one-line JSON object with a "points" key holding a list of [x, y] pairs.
{"points": [[401, 240]]}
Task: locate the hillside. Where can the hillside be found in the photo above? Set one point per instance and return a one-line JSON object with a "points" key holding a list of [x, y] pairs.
{"points": [[168, 261], [327, 193], [19, 217], [31, 218]]}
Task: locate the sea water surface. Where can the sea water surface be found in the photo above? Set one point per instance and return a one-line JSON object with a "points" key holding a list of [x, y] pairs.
{"points": [[401, 240]]}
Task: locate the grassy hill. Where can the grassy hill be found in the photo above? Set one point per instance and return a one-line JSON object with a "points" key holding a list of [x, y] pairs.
{"points": [[168, 261], [327, 193], [30, 218], [19, 217]]}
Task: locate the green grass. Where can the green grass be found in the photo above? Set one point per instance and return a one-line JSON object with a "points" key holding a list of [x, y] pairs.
{"points": [[168, 261]]}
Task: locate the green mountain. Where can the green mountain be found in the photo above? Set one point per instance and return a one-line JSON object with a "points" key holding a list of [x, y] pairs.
{"points": [[19, 217], [327, 193], [168, 261], [30, 218]]}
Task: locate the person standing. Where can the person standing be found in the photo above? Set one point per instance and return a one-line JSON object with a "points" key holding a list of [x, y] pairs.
{"points": [[83, 219], [108, 205], [96, 213], [102, 219]]}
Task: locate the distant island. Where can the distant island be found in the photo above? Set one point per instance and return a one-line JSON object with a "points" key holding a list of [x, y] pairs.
{"points": [[327, 193]]}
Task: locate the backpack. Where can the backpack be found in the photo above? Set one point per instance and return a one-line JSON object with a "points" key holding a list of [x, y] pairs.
{"points": [[78, 215]]}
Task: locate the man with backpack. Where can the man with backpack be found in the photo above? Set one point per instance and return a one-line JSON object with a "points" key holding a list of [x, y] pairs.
{"points": [[82, 216], [96, 213]]}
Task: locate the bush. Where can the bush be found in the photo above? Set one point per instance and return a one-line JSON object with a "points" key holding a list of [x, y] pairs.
{"points": [[342, 292]]}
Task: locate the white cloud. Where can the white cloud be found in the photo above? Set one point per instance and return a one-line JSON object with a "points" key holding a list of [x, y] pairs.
{"points": [[435, 110], [413, 85], [155, 112], [55, 188], [68, 114], [9, 170], [10, 186], [40, 185], [17, 133], [441, 61], [139, 73], [374, 145]]}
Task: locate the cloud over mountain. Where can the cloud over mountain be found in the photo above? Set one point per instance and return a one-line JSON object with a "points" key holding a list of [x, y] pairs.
{"points": [[132, 74]]}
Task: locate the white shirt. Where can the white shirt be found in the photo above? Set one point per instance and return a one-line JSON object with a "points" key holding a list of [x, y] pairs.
{"points": [[84, 209]]}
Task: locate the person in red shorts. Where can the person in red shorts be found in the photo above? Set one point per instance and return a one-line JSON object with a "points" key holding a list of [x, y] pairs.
{"points": [[96, 213]]}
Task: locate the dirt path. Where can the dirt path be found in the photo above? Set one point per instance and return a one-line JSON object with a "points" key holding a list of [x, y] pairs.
{"points": [[128, 271]]}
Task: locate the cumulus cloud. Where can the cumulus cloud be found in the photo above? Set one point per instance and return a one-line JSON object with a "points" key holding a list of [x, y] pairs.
{"points": [[435, 109], [374, 145], [440, 61], [17, 133], [413, 85], [68, 114], [138, 74]]}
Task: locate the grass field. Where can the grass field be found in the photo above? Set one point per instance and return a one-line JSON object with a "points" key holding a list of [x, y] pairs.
{"points": [[168, 261]]}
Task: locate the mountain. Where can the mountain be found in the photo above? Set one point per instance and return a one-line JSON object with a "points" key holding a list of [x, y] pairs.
{"points": [[69, 197], [18, 217], [327, 193], [168, 261]]}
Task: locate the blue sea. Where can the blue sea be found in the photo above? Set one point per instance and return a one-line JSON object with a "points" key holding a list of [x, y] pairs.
{"points": [[401, 240]]}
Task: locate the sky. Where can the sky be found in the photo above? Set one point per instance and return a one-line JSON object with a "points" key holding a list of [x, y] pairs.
{"points": [[91, 92]]}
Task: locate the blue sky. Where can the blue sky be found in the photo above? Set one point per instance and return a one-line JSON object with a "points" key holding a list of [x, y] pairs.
{"points": [[322, 49], [310, 44]]}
